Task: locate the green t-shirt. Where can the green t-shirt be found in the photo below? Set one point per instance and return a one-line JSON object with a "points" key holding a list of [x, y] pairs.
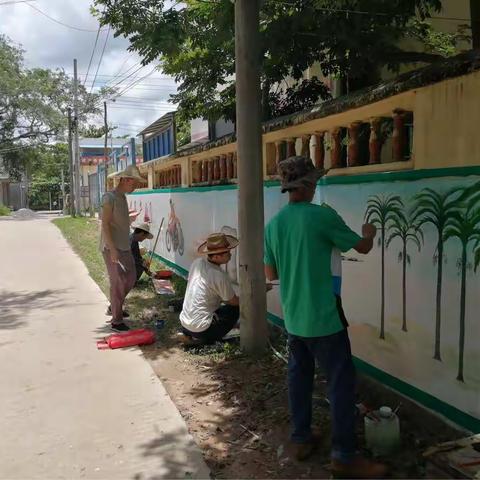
{"points": [[298, 243]]}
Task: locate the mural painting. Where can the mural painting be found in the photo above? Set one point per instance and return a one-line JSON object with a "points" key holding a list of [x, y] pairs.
{"points": [[412, 303]]}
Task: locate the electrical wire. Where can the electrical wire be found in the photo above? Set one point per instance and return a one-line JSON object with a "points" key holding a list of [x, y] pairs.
{"points": [[93, 54], [101, 58], [58, 21], [13, 2]]}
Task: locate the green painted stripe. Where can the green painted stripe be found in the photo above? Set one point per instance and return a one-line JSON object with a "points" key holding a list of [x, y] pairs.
{"points": [[176, 268], [454, 414], [405, 175]]}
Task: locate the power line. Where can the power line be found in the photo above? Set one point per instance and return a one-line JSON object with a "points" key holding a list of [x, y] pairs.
{"points": [[101, 58], [12, 2], [93, 54], [58, 21]]}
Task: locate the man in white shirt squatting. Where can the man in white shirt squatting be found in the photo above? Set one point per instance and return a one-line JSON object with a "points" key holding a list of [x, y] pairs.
{"points": [[203, 316]]}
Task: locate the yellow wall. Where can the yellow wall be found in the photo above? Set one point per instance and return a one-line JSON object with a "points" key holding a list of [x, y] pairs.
{"points": [[447, 116]]}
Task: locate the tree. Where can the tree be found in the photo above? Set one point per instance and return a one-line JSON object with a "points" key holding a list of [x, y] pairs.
{"points": [[34, 103], [465, 226], [436, 208], [404, 228], [194, 40], [382, 210]]}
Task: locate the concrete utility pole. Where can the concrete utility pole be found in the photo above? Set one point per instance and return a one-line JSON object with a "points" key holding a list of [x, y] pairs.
{"points": [[62, 177], [105, 150], [76, 150], [475, 23], [70, 162], [253, 333]]}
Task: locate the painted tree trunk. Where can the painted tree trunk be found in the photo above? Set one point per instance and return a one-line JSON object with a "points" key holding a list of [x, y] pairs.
{"points": [[438, 317], [461, 339], [404, 289], [382, 313]]}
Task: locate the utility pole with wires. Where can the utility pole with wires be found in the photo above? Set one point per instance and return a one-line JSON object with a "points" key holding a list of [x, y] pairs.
{"points": [[71, 165], [253, 308], [105, 150], [76, 146]]}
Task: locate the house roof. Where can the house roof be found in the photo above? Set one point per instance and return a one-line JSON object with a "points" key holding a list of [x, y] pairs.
{"points": [[100, 142], [164, 122], [457, 66]]}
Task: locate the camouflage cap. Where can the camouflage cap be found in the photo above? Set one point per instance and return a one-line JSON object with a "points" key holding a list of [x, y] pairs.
{"points": [[298, 171]]}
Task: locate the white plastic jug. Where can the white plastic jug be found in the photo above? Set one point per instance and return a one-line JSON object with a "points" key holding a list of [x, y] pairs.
{"points": [[382, 431]]}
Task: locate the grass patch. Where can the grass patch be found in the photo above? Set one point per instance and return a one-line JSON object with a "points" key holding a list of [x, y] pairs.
{"points": [[4, 211], [83, 235]]}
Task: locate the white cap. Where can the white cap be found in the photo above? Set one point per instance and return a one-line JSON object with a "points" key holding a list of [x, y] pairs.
{"points": [[385, 412]]}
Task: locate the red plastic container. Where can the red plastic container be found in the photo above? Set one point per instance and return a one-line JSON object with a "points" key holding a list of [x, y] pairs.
{"points": [[141, 336], [163, 274]]}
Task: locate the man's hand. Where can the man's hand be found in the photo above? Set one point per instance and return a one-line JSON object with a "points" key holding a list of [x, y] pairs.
{"points": [[132, 215], [269, 286], [114, 257], [369, 230]]}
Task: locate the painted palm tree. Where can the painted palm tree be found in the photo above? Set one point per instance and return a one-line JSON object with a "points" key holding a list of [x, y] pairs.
{"points": [[382, 211], [465, 226], [407, 231], [436, 208]]}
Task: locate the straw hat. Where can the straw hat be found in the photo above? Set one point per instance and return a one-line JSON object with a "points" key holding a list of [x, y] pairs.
{"points": [[298, 171], [146, 228], [132, 171], [218, 243]]}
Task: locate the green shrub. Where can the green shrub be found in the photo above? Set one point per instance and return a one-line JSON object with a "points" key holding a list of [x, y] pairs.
{"points": [[4, 211]]}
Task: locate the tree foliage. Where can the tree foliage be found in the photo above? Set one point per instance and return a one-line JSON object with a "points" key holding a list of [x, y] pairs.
{"points": [[194, 40], [34, 104]]}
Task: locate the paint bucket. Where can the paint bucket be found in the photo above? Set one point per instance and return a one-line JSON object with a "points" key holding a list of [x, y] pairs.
{"points": [[382, 431]]}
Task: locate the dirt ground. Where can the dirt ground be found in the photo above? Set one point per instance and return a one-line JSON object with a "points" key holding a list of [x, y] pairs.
{"points": [[237, 410]]}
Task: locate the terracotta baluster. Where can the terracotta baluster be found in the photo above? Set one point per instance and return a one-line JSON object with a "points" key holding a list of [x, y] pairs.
{"points": [[306, 145], [291, 147], [229, 166], [216, 168], [399, 137], [336, 152], [235, 174], [353, 145], [278, 154], [194, 171], [375, 142], [179, 175], [223, 167], [204, 170], [319, 157], [210, 170]]}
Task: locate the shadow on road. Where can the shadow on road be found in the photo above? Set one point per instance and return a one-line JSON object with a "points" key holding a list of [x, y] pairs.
{"points": [[15, 306]]}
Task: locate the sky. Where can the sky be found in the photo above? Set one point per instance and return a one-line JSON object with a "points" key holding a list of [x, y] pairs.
{"points": [[49, 44]]}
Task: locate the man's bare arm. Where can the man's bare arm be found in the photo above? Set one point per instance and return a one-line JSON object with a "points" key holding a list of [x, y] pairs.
{"points": [[271, 273], [235, 301], [366, 243]]}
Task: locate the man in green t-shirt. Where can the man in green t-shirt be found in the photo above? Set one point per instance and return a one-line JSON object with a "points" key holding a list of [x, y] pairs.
{"points": [[298, 251]]}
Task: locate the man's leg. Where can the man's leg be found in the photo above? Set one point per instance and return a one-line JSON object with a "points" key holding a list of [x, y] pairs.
{"points": [[128, 278], [116, 289], [301, 369], [225, 318], [335, 355]]}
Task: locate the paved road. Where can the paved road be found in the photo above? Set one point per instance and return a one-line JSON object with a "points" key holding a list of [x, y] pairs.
{"points": [[67, 409]]}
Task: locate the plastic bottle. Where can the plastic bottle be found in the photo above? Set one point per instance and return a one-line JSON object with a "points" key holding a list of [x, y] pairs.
{"points": [[382, 431]]}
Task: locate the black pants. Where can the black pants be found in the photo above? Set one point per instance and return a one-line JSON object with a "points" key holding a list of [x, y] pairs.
{"points": [[224, 319]]}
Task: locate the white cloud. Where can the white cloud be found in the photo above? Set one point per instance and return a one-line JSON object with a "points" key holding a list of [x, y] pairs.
{"points": [[50, 45]]}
